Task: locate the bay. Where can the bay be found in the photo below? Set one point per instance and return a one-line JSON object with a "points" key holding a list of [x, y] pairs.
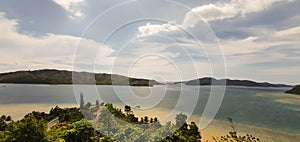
{"points": [[239, 103]]}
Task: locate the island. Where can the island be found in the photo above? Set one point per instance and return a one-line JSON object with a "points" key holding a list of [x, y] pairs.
{"points": [[53, 76], [229, 82], [295, 90]]}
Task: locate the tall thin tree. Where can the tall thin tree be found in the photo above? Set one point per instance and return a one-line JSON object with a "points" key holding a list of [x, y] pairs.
{"points": [[81, 100]]}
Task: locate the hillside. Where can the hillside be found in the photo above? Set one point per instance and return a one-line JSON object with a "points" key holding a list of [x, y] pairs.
{"points": [[52, 76], [295, 90], [229, 82]]}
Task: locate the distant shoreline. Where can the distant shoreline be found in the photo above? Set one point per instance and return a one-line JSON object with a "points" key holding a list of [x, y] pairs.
{"points": [[43, 84], [54, 76], [18, 111]]}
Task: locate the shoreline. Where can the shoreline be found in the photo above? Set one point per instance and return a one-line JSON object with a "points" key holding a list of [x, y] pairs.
{"points": [[220, 128], [18, 111], [215, 128], [282, 97]]}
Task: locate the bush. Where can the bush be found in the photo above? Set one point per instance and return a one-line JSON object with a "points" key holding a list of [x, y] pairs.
{"points": [[234, 137]]}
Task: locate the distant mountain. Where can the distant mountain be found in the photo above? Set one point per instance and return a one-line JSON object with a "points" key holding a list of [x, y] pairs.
{"points": [[52, 76], [229, 82], [295, 90]]}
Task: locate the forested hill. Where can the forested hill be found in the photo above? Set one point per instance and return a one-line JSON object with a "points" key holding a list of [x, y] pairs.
{"points": [[52, 76], [229, 82], [295, 90]]}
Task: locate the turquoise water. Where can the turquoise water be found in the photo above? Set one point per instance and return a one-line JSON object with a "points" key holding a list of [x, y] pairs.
{"points": [[239, 103]]}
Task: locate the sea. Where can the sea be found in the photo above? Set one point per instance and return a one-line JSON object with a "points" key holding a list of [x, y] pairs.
{"points": [[238, 103]]}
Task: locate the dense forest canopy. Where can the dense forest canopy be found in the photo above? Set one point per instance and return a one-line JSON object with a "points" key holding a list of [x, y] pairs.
{"points": [[52, 76]]}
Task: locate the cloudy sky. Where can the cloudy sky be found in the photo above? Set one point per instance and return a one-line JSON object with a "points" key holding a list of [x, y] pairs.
{"points": [[160, 39]]}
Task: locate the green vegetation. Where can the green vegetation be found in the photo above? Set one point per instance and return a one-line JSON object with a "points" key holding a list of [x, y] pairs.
{"points": [[3, 122], [103, 123], [72, 127], [295, 90], [110, 126], [234, 137], [51, 76], [28, 129]]}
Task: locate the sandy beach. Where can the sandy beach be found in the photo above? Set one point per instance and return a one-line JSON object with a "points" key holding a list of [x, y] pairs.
{"points": [[215, 128], [18, 111], [282, 97], [220, 128]]}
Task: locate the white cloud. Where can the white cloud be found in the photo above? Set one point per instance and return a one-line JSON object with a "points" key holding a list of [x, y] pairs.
{"points": [[162, 65], [20, 51], [209, 12], [244, 46], [252, 44], [24, 52], [151, 29], [294, 71], [291, 32], [272, 56], [71, 6], [243, 56], [221, 11]]}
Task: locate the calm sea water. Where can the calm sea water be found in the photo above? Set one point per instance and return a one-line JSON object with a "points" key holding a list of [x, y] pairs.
{"points": [[239, 103]]}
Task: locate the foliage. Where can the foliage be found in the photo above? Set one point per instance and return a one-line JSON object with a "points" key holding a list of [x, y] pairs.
{"points": [[55, 134], [81, 100], [3, 122], [66, 115], [295, 90], [186, 132], [180, 120], [127, 109], [52, 76], [28, 129], [80, 131], [110, 125], [97, 103], [233, 137]]}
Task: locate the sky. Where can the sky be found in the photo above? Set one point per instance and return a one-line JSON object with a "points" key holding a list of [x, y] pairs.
{"points": [[166, 40]]}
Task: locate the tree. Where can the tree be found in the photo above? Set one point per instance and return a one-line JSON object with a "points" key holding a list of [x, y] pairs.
{"points": [[80, 131], [233, 136], [131, 118], [142, 120], [180, 120], [193, 132], [8, 118], [155, 119], [81, 100], [28, 129], [3, 117], [97, 103], [88, 105], [3, 124], [102, 104], [106, 123], [127, 109], [146, 120]]}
